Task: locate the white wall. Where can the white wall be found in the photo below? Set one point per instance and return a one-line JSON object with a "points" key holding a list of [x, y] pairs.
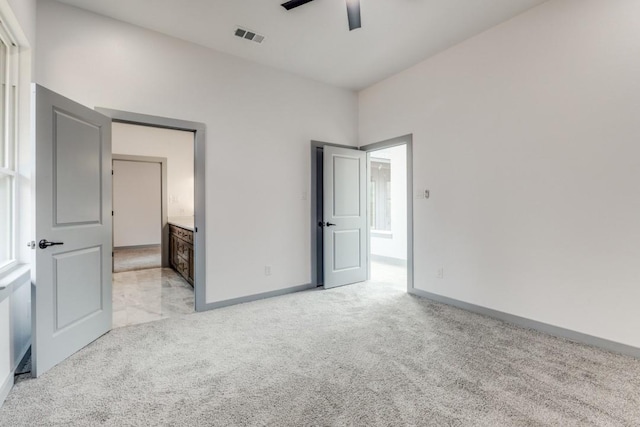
{"points": [[176, 146], [137, 203], [259, 125], [527, 137], [25, 12], [395, 245]]}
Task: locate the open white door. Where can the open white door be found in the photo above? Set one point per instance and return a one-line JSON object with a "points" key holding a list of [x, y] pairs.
{"points": [[345, 216], [72, 283]]}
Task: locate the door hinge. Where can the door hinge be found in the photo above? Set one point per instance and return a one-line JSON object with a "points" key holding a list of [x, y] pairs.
{"points": [[111, 171], [111, 213], [112, 255], [195, 229]]}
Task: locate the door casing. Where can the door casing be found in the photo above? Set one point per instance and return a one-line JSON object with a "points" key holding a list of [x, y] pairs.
{"points": [[316, 204], [164, 198], [199, 183]]}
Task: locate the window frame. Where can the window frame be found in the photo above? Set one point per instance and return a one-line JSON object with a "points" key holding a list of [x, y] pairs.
{"points": [[379, 200], [9, 115]]}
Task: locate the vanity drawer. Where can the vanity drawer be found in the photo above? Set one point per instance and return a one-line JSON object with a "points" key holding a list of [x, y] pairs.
{"points": [[183, 268], [186, 235], [182, 248]]}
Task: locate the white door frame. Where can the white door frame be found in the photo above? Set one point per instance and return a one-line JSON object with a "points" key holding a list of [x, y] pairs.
{"points": [[199, 282], [406, 140], [316, 204], [164, 231]]}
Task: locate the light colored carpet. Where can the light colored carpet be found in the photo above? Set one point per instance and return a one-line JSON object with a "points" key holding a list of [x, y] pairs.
{"points": [[132, 259], [364, 355], [389, 275]]}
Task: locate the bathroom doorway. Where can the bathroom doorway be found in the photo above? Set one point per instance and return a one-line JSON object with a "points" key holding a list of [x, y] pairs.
{"points": [[153, 223]]}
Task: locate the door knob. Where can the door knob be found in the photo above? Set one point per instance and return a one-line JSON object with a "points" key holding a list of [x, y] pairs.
{"points": [[329, 224], [43, 244]]}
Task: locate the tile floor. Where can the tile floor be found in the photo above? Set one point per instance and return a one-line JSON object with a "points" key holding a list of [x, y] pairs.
{"points": [[146, 295]]}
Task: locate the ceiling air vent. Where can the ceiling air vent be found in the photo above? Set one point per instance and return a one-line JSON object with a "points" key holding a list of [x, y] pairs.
{"points": [[243, 33]]}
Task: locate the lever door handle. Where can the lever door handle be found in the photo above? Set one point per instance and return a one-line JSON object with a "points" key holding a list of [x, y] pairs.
{"points": [[326, 224], [44, 243]]}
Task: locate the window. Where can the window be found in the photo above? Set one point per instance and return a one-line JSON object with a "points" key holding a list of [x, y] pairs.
{"points": [[8, 145], [380, 197]]}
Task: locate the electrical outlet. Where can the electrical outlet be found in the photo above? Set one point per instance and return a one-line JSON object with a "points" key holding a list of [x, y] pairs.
{"points": [[440, 273], [267, 270]]}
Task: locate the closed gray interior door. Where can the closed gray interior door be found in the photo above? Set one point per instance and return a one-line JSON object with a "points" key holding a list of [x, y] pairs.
{"points": [[72, 281], [344, 216]]}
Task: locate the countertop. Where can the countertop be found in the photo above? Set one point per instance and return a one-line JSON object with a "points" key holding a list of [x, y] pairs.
{"points": [[182, 221]]}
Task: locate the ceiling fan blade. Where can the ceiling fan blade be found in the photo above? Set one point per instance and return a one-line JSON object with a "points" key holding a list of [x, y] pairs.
{"points": [[353, 13], [294, 3]]}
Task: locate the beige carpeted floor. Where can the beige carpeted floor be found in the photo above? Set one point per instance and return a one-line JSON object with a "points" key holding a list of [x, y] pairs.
{"points": [[365, 354]]}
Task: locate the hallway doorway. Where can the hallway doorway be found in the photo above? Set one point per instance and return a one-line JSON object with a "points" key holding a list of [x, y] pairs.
{"points": [[389, 242], [387, 215]]}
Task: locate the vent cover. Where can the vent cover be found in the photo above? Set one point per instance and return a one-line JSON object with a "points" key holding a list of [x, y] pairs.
{"points": [[243, 33]]}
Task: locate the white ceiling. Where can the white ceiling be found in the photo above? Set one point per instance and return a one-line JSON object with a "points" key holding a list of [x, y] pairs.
{"points": [[314, 40]]}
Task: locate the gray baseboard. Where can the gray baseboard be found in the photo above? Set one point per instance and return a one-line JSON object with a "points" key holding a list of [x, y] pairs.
{"points": [[556, 331], [6, 387], [389, 260], [138, 247], [256, 297]]}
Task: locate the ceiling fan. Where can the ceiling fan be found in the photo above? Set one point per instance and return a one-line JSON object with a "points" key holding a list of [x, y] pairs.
{"points": [[353, 11]]}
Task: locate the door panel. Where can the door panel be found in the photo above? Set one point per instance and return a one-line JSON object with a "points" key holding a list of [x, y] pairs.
{"points": [[346, 252], [72, 281], [344, 215], [346, 187], [77, 147], [76, 289]]}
